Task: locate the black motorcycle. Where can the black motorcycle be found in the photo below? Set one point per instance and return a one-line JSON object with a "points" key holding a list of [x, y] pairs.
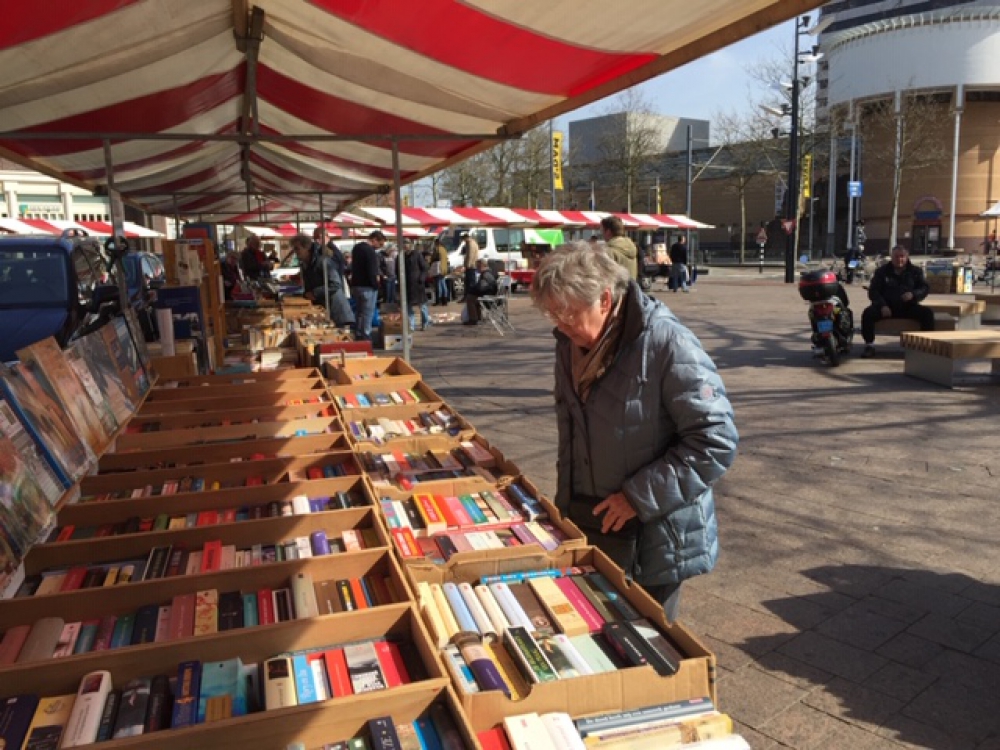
{"points": [[829, 314]]}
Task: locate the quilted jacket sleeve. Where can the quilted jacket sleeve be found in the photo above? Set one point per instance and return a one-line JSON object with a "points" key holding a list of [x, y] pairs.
{"points": [[564, 424], [704, 443]]}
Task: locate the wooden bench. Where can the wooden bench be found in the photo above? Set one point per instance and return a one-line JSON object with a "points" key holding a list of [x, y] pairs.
{"points": [[934, 355], [991, 313], [949, 315]]}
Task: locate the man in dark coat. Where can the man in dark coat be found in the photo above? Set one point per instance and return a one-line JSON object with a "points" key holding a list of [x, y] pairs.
{"points": [[896, 290], [365, 278], [416, 280]]}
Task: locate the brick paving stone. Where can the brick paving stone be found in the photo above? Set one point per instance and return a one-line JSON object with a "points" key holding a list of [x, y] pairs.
{"points": [[900, 681], [727, 656], [850, 737], [927, 597], [965, 668], [756, 740], [980, 615], [910, 733], [856, 581], [753, 697], [990, 650], [794, 671], [854, 704], [944, 579], [983, 592], [860, 626], [950, 633], [956, 708], [801, 726], [910, 650], [833, 656], [754, 632]]}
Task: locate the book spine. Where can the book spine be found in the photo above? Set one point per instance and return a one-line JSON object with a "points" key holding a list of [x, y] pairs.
{"points": [[482, 666]]}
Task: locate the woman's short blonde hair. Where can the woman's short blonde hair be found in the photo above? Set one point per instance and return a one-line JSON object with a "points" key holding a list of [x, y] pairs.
{"points": [[574, 275]]}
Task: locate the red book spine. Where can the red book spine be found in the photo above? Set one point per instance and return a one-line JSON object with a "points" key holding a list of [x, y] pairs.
{"points": [[228, 516], [406, 543], [445, 511], [255, 481], [388, 665], [458, 511], [74, 579], [580, 604], [336, 672], [211, 556], [208, 518], [493, 739], [397, 660], [181, 624], [265, 607], [359, 593], [66, 533], [102, 641]]}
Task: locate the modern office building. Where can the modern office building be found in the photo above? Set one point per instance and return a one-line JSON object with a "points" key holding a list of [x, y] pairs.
{"points": [[936, 60]]}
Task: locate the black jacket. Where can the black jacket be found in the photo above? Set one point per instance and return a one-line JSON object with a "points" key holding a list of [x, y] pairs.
{"points": [[887, 287], [364, 266], [485, 285], [416, 277]]}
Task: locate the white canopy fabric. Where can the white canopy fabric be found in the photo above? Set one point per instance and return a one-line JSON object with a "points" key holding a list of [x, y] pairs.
{"points": [[254, 108]]}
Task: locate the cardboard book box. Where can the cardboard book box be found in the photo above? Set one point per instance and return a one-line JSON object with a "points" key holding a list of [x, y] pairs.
{"points": [[413, 383], [228, 390], [624, 690], [371, 370], [202, 402], [242, 378], [197, 433]]}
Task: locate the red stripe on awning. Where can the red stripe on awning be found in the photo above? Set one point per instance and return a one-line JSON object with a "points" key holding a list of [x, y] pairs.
{"points": [[25, 22], [153, 113], [344, 117], [486, 46], [172, 186], [304, 149]]}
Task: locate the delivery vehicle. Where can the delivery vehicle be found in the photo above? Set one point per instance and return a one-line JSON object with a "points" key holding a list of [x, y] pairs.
{"points": [[829, 314], [513, 251]]}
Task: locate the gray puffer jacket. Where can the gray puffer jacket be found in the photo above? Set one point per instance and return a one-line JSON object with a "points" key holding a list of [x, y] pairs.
{"points": [[658, 427]]}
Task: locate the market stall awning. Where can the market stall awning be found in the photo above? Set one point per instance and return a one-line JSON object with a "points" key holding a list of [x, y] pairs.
{"points": [[58, 226], [226, 108]]}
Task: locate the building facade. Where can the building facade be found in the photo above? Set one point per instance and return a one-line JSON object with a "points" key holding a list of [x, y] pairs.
{"points": [[29, 195], [909, 61]]}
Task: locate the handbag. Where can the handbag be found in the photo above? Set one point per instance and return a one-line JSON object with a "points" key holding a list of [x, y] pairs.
{"points": [[621, 546], [435, 269]]}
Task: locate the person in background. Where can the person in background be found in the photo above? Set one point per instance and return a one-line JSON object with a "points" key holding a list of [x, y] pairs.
{"points": [[644, 425], [319, 283], [231, 274], [413, 262], [252, 260], [470, 253], [484, 284], [365, 282], [322, 241], [387, 267], [679, 265], [895, 291], [439, 273], [621, 248]]}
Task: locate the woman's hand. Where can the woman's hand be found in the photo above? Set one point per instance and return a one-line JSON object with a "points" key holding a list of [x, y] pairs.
{"points": [[619, 512]]}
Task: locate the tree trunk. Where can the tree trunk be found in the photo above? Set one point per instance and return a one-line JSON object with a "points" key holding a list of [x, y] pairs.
{"points": [[897, 181], [743, 223]]}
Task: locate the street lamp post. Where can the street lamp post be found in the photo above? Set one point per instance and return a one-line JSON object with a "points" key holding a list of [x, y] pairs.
{"points": [[792, 211]]}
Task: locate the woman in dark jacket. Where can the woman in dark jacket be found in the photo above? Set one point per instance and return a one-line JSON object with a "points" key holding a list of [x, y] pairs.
{"points": [[645, 428], [416, 285], [313, 258]]}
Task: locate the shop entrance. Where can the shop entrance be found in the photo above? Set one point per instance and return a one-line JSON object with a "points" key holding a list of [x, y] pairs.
{"points": [[926, 238]]}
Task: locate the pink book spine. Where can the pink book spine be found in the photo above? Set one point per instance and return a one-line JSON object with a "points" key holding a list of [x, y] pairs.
{"points": [[580, 604], [458, 511]]}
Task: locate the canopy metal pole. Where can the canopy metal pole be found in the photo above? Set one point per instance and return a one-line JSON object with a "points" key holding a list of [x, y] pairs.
{"points": [[404, 310]]}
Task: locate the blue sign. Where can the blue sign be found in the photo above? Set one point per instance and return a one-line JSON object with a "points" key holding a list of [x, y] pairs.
{"points": [[854, 189]]}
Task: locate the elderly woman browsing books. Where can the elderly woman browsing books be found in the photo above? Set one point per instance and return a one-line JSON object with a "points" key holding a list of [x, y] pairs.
{"points": [[645, 428]]}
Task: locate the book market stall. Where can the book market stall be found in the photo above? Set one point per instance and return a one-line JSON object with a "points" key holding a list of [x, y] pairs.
{"points": [[345, 561]]}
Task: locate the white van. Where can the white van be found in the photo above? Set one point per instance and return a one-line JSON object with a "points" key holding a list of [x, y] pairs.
{"points": [[504, 246]]}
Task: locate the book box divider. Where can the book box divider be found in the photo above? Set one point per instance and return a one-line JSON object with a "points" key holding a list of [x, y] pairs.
{"points": [[95, 513], [268, 388], [280, 447], [194, 405], [388, 369], [246, 415], [243, 378], [207, 438]]}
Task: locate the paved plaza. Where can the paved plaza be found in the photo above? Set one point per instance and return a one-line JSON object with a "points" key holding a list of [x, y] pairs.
{"points": [[856, 604]]}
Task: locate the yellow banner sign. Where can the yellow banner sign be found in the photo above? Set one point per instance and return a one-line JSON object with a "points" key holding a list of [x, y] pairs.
{"points": [[557, 140], [807, 176]]}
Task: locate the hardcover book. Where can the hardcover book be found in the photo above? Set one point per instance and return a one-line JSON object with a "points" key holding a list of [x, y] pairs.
{"points": [[49, 722], [131, 720], [223, 691], [16, 713], [94, 351], [363, 668]]}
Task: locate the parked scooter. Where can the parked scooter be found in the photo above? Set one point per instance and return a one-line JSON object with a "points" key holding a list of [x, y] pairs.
{"points": [[829, 314]]}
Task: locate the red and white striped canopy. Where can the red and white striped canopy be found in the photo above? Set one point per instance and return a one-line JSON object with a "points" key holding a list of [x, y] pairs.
{"points": [[58, 226], [254, 108]]}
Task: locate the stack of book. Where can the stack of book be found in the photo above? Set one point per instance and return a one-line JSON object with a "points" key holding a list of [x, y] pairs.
{"points": [[201, 613], [438, 527], [682, 724], [169, 561], [378, 430], [513, 631], [199, 693], [360, 400], [435, 728]]}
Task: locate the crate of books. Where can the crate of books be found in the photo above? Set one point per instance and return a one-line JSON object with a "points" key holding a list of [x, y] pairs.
{"points": [[563, 632], [371, 396], [243, 378], [450, 522], [200, 400], [675, 724], [385, 424], [302, 680], [366, 370], [172, 392]]}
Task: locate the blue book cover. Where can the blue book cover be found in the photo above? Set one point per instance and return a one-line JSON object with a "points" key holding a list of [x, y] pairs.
{"points": [[15, 718], [250, 615], [222, 680], [144, 629], [27, 417], [122, 635], [85, 641], [426, 733], [304, 685], [185, 709]]}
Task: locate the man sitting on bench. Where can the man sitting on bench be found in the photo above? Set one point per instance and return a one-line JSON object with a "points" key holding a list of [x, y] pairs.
{"points": [[896, 290]]}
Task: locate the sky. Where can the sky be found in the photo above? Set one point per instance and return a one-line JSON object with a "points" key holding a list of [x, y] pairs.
{"points": [[713, 84]]}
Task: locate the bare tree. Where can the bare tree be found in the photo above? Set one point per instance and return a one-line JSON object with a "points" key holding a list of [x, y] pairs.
{"points": [[750, 153], [904, 135], [532, 168], [469, 182], [631, 141], [503, 160]]}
